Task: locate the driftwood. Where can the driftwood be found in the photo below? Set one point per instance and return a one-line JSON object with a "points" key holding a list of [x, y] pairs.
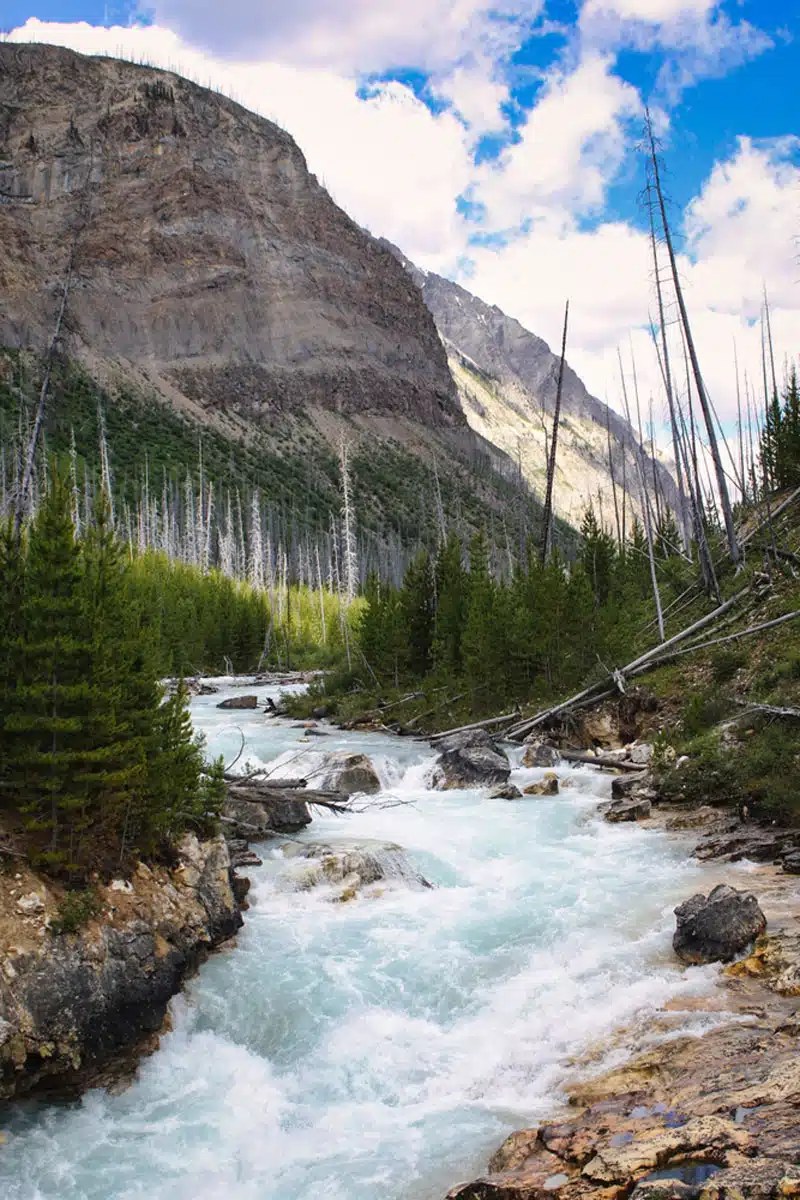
{"points": [[245, 780], [266, 793], [602, 760], [487, 724]]}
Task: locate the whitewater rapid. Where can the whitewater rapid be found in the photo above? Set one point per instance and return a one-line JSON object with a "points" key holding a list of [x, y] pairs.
{"points": [[385, 1047]]}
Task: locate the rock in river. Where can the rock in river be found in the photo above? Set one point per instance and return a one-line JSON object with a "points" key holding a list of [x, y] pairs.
{"points": [[718, 927], [348, 866], [239, 702], [547, 786], [539, 753], [469, 759], [348, 773]]}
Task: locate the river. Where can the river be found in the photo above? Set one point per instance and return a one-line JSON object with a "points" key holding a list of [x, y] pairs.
{"points": [[385, 1047]]}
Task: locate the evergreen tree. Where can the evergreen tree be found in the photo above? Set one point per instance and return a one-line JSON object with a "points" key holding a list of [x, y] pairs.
{"points": [[597, 555], [451, 600], [417, 615], [46, 716]]}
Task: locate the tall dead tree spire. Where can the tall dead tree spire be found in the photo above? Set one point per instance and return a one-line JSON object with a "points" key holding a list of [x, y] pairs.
{"points": [[708, 418], [551, 466]]}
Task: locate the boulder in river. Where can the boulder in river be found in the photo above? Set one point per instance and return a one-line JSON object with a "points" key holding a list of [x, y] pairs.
{"points": [[348, 773], [469, 759], [547, 786], [505, 791], [540, 753], [238, 702], [627, 810], [717, 927], [348, 866]]}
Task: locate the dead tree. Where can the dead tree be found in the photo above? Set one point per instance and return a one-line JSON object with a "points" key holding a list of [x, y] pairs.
{"points": [[722, 484], [551, 466]]}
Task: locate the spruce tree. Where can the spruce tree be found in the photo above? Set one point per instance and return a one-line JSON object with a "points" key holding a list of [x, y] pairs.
{"points": [[46, 717]]}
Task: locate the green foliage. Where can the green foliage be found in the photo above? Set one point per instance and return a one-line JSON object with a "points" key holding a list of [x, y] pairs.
{"points": [[75, 910], [780, 440], [726, 663], [702, 710], [95, 769]]}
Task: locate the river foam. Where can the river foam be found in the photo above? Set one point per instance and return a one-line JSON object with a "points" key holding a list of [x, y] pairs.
{"points": [[384, 1047]]}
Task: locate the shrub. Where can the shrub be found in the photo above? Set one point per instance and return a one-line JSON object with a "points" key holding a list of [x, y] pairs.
{"points": [[75, 911], [725, 664]]}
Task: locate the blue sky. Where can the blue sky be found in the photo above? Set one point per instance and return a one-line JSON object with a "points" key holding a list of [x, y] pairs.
{"points": [[498, 141]]}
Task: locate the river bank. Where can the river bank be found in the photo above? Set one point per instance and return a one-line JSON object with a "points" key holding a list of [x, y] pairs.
{"points": [[387, 1046]]}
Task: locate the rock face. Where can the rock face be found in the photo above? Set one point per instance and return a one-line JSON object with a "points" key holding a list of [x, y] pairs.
{"points": [[635, 809], [718, 927], [237, 702], [349, 773], [212, 265], [77, 1003], [469, 759], [507, 379]]}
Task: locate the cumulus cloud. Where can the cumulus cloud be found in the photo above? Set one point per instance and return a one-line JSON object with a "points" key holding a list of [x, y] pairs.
{"points": [[398, 168], [569, 150], [697, 38], [349, 35]]}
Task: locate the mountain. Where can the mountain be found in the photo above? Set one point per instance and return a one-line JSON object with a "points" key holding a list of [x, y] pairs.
{"points": [[507, 380], [209, 274]]}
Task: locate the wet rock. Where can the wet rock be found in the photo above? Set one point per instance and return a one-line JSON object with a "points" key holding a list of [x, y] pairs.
{"points": [[470, 759], [241, 888], [791, 863], [693, 818], [540, 753], [718, 927], [237, 702], [249, 816], [627, 810], [665, 1189], [348, 773], [348, 866], [699, 1137], [505, 791], [321, 712], [548, 786], [632, 786], [83, 1001]]}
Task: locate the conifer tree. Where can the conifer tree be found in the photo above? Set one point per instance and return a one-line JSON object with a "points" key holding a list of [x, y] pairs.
{"points": [[417, 615], [45, 721], [451, 599]]}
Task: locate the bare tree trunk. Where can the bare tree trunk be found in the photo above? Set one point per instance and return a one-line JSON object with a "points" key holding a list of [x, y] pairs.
{"points": [[551, 468], [722, 485]]}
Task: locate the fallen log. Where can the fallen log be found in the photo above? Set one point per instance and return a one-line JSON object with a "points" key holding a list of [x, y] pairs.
{"points": [[241, 780], [520, 731], [731, 637], [601, 760], [770, 710], [263, 793], [487, 724]]}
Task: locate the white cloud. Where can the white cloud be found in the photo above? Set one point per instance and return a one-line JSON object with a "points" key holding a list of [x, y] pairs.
{"points": [[348, 35], [653, 11], [570, 148], [398, 168]]}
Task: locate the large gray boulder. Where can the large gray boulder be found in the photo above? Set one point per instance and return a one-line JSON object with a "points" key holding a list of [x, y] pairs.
{"points": [[348, 773], [237, 702], [469, 759], [717, 927]]}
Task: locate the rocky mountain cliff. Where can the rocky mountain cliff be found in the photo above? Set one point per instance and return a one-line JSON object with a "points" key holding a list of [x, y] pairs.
{"points": [[212, 286], [206, 257], [507, 379]]}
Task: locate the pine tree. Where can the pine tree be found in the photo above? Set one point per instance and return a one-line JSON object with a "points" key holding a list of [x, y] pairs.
{"points": [[45, 721], [12, 567], [417, 615], [451, 600], [598, 553]]}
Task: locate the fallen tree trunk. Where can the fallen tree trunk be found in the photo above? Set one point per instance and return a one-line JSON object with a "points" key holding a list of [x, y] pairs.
{"points": [[266, 793], [242, 780], [487, 724], [601, 760], [731, 637], [519, 731], [770, 710]]}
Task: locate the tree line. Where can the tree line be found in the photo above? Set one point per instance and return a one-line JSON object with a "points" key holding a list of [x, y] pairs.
{"points": [[455, 624]]}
